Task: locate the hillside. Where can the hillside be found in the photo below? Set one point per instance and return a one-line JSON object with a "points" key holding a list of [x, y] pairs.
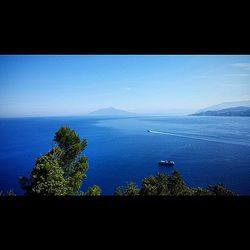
{"points": [[236, 111], [226, 105]]}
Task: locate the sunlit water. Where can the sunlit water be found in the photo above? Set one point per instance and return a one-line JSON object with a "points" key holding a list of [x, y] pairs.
{"points": [[206, 150]]}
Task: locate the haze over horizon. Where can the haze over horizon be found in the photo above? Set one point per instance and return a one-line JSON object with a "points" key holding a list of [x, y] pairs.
{"points": [[77, 85]]}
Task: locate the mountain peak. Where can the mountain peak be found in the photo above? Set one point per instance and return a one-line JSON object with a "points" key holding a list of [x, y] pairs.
{"points": [[110, 111]]}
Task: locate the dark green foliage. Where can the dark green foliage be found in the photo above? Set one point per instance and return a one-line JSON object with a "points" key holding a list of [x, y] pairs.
{"points": [[220, 190], [199, 192], [131, 189], [62, 170], [70, 160], [119, 191], [70, 144], [94, 191], [163, 184], [8, 193], [170, 185], [155, 185], [11, 193], [176, 185], [46, 178]]}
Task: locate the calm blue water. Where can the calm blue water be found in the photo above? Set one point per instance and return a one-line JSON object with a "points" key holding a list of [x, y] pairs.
{"points": [[206, 150]]}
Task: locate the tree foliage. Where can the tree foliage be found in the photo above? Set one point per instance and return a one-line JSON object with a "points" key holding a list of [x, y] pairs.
{"points": [[170, 185], [131, 189], [62, 170], [8, 193], [94, 191], [220, 190], [46, 178]]}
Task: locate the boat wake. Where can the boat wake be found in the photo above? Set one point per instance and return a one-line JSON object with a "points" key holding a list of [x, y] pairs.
{"points": [[200, 137]]}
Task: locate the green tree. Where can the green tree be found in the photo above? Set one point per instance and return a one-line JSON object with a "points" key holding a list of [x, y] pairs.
{"points": [[131, 189], [74, 165], [163, 184], [176, 185], [199, 192], [220, 190], [94, 191], [62, 170], [46, 178], [170, 185], [155, 185]]}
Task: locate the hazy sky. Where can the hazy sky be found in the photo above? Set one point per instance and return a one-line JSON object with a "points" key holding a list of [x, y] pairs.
{"points": [[75, 85]]}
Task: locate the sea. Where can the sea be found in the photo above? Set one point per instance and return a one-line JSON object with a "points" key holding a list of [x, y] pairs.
{"points": [[206, 150]]}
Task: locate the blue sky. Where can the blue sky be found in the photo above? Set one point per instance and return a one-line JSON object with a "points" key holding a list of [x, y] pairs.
{"points": [[75, 85]]}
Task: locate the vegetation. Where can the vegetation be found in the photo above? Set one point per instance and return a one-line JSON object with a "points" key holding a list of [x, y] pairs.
{"points": [[8, 193], [94, 191], [62, 170], [131, 189], [170, 185]]}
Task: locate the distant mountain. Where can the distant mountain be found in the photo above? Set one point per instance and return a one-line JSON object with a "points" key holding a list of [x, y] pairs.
{"points": [[236, 111], [111, 111], [226, 105]]}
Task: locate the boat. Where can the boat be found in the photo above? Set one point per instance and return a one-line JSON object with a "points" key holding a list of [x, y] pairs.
{"points": [[149, 130], [166, 162]]}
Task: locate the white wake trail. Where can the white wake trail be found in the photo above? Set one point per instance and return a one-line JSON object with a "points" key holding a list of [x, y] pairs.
{"points": [[200, 138]]}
